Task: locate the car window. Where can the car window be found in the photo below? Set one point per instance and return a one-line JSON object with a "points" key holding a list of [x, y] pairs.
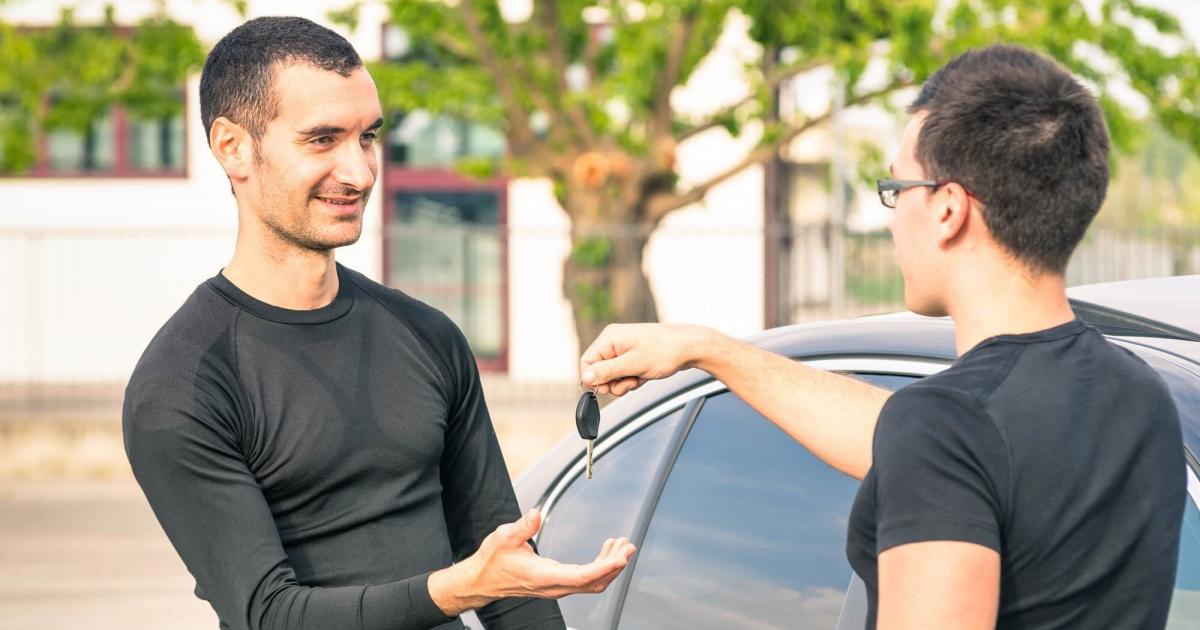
{"points": [[1185, 603], [1185, 389], [750, 530], [605, 506]]}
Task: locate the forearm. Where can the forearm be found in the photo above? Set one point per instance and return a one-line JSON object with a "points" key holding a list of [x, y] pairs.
{"points": [[832, 415], [401, 605], [461, 587]]}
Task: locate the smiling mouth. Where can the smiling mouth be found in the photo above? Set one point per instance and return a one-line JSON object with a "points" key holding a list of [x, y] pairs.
{"points": [[337, 201]]}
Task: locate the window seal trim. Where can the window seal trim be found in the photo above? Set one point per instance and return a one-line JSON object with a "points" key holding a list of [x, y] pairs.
{"points": [[646, 511], [1193, 484]]}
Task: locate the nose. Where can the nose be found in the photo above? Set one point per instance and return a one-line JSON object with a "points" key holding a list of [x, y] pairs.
{"points": [[357, 166]]}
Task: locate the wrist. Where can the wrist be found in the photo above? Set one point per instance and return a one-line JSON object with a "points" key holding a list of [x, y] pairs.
{"points": [[704, 349], [459, 587]]}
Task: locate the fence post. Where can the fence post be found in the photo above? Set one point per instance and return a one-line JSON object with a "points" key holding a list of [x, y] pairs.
{"points": [[837, 241]]}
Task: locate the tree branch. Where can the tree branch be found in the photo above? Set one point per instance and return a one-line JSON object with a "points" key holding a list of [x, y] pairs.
{"points": [[771, 83], [662, 204], [660, 112], [454, 47], [591, 54], [521, 129], [547, 15]]}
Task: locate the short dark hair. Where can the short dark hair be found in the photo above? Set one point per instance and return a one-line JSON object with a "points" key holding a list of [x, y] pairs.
{"points": [[238, 77], [1027, 139]]}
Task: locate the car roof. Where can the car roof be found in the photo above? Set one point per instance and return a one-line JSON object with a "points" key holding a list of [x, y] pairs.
{"points": [[1173, 302]]}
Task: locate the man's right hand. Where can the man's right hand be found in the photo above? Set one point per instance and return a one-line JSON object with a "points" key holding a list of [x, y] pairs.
{"points": [[625, 356], [506, 566]]}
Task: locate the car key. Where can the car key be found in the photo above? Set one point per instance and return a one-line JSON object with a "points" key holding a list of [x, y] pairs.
{"points": [[587, 420]]}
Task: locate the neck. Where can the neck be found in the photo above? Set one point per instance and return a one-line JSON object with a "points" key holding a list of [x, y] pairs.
{"points": [[1007, 303], [281, 274]]}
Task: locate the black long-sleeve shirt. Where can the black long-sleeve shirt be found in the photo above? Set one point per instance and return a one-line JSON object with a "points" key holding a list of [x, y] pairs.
{"points": [[313, 467]]}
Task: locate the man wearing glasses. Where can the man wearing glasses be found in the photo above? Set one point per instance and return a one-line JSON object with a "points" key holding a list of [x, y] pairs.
{"points": [[1028, 485]]}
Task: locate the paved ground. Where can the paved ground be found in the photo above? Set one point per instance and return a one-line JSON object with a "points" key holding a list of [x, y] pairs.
{"points": [[90, 555], [79, 546]]}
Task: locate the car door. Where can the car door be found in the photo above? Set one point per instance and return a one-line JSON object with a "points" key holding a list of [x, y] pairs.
{"points": [[664, 480], [749, 530]]}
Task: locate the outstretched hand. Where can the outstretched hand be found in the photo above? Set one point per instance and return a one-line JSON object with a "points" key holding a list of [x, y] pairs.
{"points": [[508, 559], [625, 356], [506, 566]]}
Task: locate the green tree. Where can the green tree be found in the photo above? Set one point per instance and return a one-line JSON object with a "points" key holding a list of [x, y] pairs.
{"points": [[65, 76], [600, 74]]}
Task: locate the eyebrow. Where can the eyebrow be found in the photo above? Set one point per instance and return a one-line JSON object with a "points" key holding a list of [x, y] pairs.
{"points": [[333, 130]]}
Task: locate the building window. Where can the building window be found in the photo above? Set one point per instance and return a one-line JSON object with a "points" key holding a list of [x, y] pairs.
{"points": [[117, 143], [448, 252], [156, 144], [90, 150], [445, 245], [421, 140]]}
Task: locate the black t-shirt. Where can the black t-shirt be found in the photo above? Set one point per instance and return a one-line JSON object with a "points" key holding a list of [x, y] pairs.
{"points": [[313, 467], [1057, 449]]}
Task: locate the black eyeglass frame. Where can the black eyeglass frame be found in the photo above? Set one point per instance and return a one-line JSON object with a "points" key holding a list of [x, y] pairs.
{"points": [[889, 189]]}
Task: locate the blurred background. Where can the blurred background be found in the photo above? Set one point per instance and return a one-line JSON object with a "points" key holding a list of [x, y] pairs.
{"points": [[549, 167]]}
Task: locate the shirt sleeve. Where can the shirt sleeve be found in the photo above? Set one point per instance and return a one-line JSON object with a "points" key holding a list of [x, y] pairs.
{"points": [[941, 469], [182, 444], [477, 495]]}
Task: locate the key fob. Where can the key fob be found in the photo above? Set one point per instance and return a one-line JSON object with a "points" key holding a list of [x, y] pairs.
{"points": [[587, 416]]}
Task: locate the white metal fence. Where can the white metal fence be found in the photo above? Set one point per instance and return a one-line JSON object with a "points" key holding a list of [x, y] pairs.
{"points": [[80, 304]]}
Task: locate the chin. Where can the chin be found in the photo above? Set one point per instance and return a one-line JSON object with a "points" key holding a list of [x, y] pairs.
{"points": [[923, 305], [329, 239], [344, 240], [929, 311], [343, 233]]}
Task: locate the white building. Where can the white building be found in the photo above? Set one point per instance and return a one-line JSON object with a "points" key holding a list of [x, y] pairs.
{"points": [[107, 237]]}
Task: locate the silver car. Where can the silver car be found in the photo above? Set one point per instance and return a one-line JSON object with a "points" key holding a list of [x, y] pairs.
{"points": [[738, 526]]}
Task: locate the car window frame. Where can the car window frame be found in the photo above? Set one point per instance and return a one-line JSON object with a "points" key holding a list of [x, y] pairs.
{"points": [[1184, 364]]}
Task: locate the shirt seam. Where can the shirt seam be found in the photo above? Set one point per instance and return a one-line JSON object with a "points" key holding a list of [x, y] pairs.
{"points": [[429, 348], [237, 375], [983, 409], [214, 285], [1023, 340]]}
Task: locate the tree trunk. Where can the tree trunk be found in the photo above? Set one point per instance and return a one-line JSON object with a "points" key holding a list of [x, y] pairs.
{"points": [[603, 277]]}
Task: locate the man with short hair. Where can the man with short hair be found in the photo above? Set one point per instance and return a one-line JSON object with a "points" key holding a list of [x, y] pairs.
{"points": [[1039, 481], [315, 445]]}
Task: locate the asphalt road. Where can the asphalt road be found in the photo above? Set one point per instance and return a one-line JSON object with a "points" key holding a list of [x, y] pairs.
{"points": [[90, 555]]}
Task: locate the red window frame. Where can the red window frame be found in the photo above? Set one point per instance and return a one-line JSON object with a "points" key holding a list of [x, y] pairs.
{"points": [[397, 178]]}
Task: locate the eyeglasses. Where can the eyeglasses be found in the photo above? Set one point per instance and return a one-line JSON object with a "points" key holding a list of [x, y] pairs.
{"points": [[890, 189]]}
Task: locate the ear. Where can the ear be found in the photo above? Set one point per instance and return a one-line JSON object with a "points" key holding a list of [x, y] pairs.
{"points": [[954, 214], [233, 147]]}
